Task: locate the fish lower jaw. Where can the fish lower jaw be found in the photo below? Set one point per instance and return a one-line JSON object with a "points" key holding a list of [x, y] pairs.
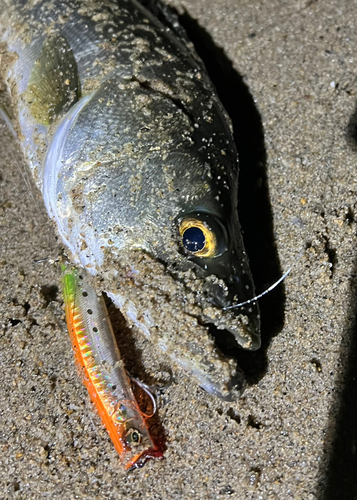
{"points": [[211, 370], [227, 391], [244, 334]]}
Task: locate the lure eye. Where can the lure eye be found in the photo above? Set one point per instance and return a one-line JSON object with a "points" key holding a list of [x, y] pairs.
{"points": [[203, 235], [133, 437]]}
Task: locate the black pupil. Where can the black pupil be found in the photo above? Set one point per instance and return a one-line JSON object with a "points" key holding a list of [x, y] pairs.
{"points": [[193, 239], [135, 437]]}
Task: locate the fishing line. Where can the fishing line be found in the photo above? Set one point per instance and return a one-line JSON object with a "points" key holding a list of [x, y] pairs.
{"points": [[274, 285], [47, 259]]}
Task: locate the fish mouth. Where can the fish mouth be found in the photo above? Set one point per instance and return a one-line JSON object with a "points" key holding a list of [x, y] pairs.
{"points": [[242, 324], [226, 346], [224, 294], [139, 460]]}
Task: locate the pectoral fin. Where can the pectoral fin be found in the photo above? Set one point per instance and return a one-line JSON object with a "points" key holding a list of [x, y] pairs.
{"points": [[54, 84]]}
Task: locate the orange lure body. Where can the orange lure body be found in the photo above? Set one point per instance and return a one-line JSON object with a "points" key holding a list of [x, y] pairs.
{"points": [[98, 359]]}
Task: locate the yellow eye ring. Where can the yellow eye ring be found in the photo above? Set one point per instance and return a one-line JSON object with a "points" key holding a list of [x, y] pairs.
{"points": [[198, 238]]}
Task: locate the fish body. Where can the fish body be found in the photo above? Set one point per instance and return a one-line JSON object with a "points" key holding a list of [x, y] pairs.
{"points": [[103, 372], [135, 159]]}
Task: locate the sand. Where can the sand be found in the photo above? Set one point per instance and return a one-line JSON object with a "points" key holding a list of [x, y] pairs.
{"points": [[291, 93]]}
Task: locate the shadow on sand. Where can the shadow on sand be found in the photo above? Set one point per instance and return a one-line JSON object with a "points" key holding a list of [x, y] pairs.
{"points": [[340, 479]]}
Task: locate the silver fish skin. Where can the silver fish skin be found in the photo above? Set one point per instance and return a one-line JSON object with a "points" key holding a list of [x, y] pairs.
{"points": [[135, 159]]}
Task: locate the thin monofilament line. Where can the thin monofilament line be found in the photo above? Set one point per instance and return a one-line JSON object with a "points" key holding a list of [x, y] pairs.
{"points": [[262, 294]]}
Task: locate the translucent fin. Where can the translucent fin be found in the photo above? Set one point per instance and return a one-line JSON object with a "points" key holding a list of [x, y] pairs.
{"points": [[5, 117], [54, 82], [24, 173]]}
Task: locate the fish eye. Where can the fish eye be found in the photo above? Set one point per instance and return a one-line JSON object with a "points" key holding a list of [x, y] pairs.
{"points": [[203, 235], [133, 437], [193, 239]]}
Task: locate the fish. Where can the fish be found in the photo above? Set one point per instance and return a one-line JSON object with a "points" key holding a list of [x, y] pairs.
{"points": [[134, 156], [103, 372]]}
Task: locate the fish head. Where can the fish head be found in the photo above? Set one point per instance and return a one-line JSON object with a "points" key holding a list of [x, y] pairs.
{"points": [[189, 222]]}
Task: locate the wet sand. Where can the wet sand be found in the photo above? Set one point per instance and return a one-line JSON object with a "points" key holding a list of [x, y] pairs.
{"points": [[293, 434]]}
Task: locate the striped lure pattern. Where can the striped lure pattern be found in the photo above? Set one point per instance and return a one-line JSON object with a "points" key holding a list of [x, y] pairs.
{"points": [[102, 370]]}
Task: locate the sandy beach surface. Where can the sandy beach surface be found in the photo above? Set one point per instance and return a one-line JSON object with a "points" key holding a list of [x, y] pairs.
{"points": [[287, 73]]}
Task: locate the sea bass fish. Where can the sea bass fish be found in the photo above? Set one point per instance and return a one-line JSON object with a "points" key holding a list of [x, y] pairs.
{"points": [[135, 159]]}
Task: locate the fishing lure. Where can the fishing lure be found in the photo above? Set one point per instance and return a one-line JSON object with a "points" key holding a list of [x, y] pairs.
{"points": [[135, 159], [103, 372]]}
